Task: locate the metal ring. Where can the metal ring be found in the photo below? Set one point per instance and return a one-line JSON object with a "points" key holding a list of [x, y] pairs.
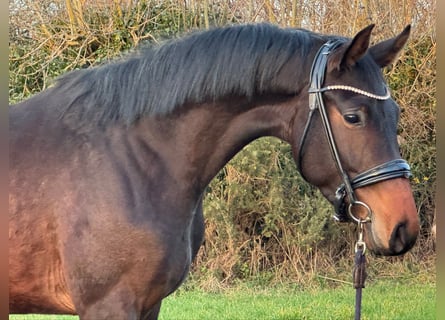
{"points": [[358, 220]]}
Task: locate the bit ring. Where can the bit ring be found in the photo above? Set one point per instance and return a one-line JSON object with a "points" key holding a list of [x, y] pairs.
{"points": [[359, 220]]}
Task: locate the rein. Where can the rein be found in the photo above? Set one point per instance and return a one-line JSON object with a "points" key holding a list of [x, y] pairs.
{"points": [[391, 169]]}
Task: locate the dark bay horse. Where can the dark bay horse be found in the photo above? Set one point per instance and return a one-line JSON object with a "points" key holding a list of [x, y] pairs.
{"points": [[109, 166]]}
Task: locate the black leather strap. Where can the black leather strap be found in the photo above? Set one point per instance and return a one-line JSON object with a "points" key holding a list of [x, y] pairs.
{"points": [[316, 79], [392, 169]]}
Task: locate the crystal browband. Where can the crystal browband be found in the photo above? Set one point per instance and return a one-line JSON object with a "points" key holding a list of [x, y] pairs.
{"points": [[386, 96]]}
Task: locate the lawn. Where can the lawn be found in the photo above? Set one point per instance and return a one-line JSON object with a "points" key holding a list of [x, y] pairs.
{"points": [[382, 300]]}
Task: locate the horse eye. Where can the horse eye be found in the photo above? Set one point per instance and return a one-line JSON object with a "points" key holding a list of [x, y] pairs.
{"points": [[352, 118]]}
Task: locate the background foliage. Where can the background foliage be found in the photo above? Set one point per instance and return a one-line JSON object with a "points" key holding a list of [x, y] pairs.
{"points": [[263, 222]]}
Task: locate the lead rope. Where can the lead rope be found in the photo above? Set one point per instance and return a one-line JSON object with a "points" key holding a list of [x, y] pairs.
{"points": [[359, 272]]}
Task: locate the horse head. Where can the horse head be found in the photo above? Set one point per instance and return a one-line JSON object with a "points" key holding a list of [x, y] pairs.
{"points": [[349, 147]]}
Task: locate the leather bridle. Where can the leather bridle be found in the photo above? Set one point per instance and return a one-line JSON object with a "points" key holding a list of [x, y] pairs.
{"points": [[391, 169]]}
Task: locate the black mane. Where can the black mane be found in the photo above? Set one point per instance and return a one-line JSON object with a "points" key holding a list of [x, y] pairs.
{"points": [[239, 60]]}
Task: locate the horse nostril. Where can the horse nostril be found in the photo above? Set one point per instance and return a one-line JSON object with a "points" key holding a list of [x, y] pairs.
{"points": [[401, 241]]}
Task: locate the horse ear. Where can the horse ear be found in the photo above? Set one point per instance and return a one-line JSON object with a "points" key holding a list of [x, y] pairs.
{"points": [[385, 52], [348, 54]]}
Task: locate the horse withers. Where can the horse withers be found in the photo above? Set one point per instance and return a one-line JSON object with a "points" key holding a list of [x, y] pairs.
{"points": [[108, 167]]}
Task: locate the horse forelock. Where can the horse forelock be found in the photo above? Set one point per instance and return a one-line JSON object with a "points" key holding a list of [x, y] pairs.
{"points": [[242, 60]]}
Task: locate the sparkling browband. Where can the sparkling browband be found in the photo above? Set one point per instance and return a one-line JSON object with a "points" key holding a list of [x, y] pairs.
{"points": [[386, 96]]}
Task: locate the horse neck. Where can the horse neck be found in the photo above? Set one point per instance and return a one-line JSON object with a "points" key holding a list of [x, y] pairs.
{"points": [[197, 143]]}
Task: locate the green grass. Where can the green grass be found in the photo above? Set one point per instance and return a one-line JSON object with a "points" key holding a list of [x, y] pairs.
{"points": [[382, 300]]}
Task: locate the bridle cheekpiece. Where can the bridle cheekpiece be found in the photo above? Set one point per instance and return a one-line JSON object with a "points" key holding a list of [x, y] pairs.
{"points": [[391, 169]]}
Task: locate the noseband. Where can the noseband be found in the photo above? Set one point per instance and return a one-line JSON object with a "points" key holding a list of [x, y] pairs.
{"points": [[392, 169]]}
